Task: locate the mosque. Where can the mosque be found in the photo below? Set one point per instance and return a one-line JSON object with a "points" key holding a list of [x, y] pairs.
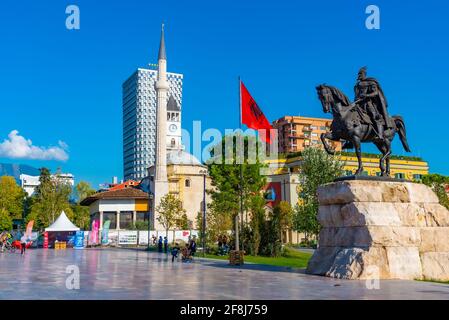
{"points": [[175, 171]]}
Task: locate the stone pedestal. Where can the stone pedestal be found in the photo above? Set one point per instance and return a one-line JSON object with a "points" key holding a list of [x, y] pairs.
{"points": [[389, 230]]}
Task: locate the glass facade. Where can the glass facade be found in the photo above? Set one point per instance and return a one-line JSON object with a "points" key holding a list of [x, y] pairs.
{"points": [[141, 216], [126, 219], [112, 216], [139, 119]]}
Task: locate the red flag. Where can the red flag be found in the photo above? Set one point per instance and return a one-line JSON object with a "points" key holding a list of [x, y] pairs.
{"points": [[252, 116]]}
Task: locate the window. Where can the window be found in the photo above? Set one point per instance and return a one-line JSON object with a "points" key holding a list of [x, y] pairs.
{"points": [[141, 216], [111, 216], [417, 177], [187, 183], [126, 219], [399, 175]]}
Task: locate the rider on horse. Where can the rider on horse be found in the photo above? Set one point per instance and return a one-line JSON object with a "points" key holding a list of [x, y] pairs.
{"points": [[370, 98]]}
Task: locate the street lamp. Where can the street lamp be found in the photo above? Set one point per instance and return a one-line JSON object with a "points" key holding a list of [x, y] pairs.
{"points": [[150, 202], [150, 205], [203, 233]]}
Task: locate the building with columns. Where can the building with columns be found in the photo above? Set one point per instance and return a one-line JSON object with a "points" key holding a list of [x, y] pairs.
{"points": [[123, 207]]}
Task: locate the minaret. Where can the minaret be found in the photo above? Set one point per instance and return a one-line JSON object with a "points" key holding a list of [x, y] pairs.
{"points": [[160, 177]]}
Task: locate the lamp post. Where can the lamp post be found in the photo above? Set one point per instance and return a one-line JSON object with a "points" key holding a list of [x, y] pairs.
{"points": [[203, 233], [150, 207], [150, 202]]}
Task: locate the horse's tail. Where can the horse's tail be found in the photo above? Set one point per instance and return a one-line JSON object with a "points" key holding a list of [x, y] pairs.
{"points": [[401, 130]]}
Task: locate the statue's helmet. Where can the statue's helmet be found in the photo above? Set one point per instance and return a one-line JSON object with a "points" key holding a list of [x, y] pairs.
{"points": [[362, 73]]}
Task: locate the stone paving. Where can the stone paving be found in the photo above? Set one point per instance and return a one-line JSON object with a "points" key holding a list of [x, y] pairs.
{"points": [[136, 274]]}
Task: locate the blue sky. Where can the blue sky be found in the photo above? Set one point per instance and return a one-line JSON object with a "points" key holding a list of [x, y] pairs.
{"points": [[65, 85]]}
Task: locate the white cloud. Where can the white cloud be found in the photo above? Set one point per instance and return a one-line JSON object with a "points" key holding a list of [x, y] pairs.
{"points": [[17, 147]]}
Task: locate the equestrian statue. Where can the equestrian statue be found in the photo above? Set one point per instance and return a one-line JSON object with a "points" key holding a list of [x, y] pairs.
{"points": [[364, 120]]}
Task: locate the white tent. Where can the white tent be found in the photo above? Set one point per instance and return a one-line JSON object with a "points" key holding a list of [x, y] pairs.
{"points": [[62, 224]]}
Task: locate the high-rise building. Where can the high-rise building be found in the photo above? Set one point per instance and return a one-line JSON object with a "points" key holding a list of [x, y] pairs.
{"points": [[296, 133], [139, 120]]}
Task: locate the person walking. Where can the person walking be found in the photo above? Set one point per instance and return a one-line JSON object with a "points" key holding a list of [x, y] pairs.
{"points": [[174, 252], [159, 244], [165, 245], [23, 244], [192, 247]]}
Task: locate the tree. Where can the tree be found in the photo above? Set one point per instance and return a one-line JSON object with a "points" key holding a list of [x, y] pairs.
{"points": [[283, 212], [5, 220], [12, 197], [81, 214], [317, 168], [170, 212], [83, 190], [235, 181], [183, 222], [51, 198], [438, 183], [217, 224], [257, 224]]}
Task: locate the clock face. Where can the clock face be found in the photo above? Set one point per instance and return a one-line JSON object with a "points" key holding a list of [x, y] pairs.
{"points": [[173, 128]]}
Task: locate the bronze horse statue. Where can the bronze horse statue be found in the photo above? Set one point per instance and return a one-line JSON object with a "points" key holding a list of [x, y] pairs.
{"points": [[351, 124]]}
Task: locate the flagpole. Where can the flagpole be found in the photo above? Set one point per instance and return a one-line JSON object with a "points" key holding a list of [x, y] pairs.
{"points": [[237, 240]]}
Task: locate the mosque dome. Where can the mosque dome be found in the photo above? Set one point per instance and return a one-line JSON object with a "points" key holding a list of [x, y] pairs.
{"points": [[182, 157]]}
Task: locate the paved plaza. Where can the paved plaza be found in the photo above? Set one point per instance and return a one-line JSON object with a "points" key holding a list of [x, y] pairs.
{"points": [[136, 274]]}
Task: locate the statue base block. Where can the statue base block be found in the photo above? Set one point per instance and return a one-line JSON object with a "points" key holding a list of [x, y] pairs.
{"points": [[381, 230]]}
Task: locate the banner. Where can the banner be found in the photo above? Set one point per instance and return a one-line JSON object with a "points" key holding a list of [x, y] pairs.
{"points": [[86, 238], [143, 238], [79, 240], [93, 235], [29, 229], [127, 237], [45, 240], [104, 232]]}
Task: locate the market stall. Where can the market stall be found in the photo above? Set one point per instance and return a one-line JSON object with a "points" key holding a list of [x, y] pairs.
{"points": [[62, 230]]}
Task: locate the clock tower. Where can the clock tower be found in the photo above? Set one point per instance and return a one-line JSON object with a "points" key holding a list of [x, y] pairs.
{"points": [[173, 125]]}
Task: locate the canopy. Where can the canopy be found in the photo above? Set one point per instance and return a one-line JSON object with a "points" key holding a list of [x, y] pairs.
{"points": [[62, 224]]}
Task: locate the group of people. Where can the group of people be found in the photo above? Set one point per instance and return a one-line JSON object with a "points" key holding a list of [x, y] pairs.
{"points": [[187, 253], [223, 247], [7, 241]]}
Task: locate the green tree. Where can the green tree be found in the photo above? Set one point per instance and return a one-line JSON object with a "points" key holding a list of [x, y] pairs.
{"points": [[217, 223], [236, 176], [81, 216], [51, 198], [317, 168], [438, 183], [283, 212], [170, 212], [12, 197], [5, 220], [183, 222], [257, 224], [83, 190]]}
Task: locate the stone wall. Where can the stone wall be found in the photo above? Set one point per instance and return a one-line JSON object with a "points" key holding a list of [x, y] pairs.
{"points": [[396, 230]]}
